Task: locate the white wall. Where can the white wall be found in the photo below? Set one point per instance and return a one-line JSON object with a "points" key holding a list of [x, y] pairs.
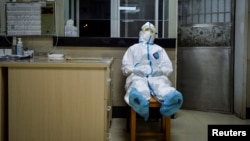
{"points": [[248, 60], [240, 77]]}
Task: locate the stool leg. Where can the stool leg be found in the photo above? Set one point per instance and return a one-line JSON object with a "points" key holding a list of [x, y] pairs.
{"points": [[167, 121], [132, 125], [128, 119], [163, 127]]}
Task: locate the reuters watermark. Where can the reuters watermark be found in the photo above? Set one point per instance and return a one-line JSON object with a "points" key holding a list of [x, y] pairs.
{"points": [[237, 132]]}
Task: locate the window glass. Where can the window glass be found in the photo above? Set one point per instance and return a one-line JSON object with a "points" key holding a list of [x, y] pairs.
{"points": [[135, 13], [204, 11], [118, 18], [94, 18]]}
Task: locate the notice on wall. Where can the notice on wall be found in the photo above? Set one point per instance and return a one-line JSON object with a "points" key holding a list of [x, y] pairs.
{"points": [[27, 18], [23, 18]]}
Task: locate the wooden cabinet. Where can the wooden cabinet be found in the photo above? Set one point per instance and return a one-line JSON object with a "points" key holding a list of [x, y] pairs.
{"points": [[59, 101], [1, 108], [3, 105]]}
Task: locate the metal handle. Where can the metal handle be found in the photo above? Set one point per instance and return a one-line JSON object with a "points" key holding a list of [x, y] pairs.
{"points": [[109, 108], [109, 136], [108, 79]]}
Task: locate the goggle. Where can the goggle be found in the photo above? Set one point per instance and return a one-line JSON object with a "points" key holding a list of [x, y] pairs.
{"points": [[150, 30]]}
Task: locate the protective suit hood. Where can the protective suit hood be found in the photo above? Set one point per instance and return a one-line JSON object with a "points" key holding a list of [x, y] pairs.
{"points": [[147, 33]]}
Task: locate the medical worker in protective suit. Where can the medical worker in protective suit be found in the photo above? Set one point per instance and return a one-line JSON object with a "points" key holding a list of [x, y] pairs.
{"points": [[147, 67]]}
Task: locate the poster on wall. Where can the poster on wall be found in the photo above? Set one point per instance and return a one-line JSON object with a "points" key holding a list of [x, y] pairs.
{"points": [[30, 18]]}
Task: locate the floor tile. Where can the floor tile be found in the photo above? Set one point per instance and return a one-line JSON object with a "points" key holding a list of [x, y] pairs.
{"points": [[189, 125]]}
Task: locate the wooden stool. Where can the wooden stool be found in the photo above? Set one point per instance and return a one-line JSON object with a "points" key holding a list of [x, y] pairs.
{"points": [[166, 123]]}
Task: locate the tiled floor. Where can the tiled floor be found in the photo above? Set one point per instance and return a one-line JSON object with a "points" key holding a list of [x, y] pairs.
{"points": [[189, 125]]}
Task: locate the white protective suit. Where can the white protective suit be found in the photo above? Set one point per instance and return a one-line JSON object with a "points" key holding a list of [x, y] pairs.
{"points": [[147, 67]]}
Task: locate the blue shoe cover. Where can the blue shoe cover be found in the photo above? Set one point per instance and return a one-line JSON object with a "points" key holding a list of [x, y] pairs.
{"points": [[171, 104], [139, 103]]}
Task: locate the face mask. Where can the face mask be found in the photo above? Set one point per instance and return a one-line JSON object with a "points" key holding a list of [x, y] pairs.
{"points": [[148, 37]]}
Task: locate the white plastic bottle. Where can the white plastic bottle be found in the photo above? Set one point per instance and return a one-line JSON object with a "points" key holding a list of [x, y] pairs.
{"points": [[19, 47]]}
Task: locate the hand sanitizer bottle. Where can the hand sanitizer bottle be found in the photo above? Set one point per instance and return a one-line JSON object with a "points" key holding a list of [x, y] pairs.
{"points": [[19, 47]]}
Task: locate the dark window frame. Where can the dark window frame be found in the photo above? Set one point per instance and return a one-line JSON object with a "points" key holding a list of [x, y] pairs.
{"points": [[107, 42]]}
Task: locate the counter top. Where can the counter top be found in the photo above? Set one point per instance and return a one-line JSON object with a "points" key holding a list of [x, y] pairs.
{"points": [[70, 62]]}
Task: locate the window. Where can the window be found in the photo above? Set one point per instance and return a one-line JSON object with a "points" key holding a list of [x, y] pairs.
{"points": [[204, 11], [117, 18], [94, 18], [114, 23]]}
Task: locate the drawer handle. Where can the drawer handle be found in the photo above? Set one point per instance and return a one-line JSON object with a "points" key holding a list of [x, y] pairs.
{"points": [[109, 108], [108, 79], [109, 136]]}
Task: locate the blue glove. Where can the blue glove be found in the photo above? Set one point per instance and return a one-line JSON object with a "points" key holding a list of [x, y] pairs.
{"points": [[157, 72]]}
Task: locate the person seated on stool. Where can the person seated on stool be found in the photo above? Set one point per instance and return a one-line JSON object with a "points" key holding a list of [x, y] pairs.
{"points": [[147, 67]]}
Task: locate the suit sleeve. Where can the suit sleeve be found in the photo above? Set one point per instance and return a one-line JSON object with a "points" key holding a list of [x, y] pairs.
{"points": [[127, 62]]}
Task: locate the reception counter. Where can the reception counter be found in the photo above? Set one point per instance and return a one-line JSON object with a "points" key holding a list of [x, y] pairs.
{"points": [[56, 100]]}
